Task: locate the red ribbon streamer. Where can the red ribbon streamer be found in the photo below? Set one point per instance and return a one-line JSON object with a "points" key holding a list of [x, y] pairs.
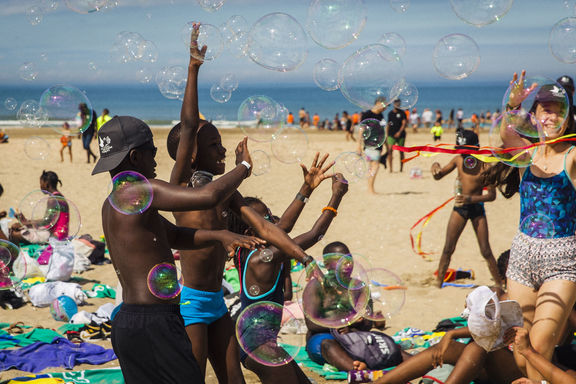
{"points": [[417, 246]]}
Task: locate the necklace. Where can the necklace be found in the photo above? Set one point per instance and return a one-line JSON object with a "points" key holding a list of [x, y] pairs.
{"points": [[200, 178]]}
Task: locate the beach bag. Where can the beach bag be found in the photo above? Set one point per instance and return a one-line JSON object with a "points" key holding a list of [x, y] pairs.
{"points": [[376, 349], [61, 263], [82, 251], [24, 267], [42, 295]]}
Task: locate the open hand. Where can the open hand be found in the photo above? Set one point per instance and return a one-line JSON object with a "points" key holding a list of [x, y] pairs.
{"points": [[196, 55], [317, 172], [519, 93], [231, 241], [242, 153]]}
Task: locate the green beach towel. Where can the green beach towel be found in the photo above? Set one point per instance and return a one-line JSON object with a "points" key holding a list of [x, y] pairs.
{"points": [[90, 376]]}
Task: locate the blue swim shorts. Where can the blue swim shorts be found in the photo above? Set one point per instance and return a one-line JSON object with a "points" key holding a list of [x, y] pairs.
{"points": [[201, 306], [314, 347]]}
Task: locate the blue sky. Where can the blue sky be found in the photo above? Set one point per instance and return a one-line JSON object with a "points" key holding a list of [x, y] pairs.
{"points": [[64, 43]]}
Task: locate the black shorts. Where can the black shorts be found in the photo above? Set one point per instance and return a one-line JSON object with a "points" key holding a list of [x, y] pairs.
{"points": [[152, 345], [470, 211]]}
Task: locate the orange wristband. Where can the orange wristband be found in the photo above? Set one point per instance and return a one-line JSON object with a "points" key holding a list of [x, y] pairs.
{"points": [[330, 209]]}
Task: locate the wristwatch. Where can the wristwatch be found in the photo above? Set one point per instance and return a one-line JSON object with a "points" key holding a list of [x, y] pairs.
{"points": [[302, 198], [307, 260]]}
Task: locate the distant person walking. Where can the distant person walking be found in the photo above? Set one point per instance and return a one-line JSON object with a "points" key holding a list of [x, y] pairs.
{"points": [[396, 130], [427, 117], [460, 118], [102, 119], [89, 117], [415, 120], [66, 141]]}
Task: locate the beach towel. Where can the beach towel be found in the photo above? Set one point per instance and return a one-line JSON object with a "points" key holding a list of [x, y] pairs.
{"points": [[59, 353], [89, 376], [36, 335], [101, 291]]}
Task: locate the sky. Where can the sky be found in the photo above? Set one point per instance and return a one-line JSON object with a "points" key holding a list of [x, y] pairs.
{"points": [[73, 48]]}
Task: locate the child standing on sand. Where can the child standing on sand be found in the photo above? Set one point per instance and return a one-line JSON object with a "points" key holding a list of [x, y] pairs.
{"points": [[542, 268], [469, 205], [66, 141]]}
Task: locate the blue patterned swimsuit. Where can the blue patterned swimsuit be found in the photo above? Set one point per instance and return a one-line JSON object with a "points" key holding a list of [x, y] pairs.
{"points": [[545, 247]]}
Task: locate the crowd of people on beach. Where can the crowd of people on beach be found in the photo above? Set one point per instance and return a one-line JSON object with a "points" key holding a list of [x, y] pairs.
{"points": [[161, 341]]}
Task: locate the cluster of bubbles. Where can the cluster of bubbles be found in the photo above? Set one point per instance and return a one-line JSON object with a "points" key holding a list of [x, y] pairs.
{"points": [[222, 92], [131, 193], [456, 56], [165, 281], [133, 47]]}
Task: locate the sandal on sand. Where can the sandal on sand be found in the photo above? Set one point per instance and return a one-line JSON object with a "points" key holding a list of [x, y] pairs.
{"points": [[74, 337], [16, 328]]}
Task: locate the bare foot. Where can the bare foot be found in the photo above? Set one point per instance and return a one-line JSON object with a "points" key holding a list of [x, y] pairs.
{"points": [[359, 366]]}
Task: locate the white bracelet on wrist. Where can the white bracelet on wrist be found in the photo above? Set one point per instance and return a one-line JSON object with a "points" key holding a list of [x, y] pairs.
{"points": [[246, 164]]}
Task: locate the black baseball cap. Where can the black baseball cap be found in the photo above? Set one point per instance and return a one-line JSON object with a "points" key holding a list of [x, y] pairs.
{"points": [[117, 137], [466, 138], [551, 93], [567, 82]]}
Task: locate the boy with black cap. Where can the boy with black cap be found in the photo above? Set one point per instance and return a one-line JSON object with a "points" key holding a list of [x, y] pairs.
{"points": [[148, 334], [469, 204]]}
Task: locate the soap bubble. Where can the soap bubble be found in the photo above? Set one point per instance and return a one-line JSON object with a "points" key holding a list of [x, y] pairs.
{"points": [[387, 294], [514, 129], [538, 225], [171, 81], [85, 6], [208, 35], [264, 330], [259, 118], [456, 56], [373, 133], [289, 145], [131, 193], [69, 222], [144, 75], [277, 42], [28, 71], [400, 6], [480, 13], [352, 166], [210, 5], [147, 52], [9, 276], [370, 73], [34, 14], [165, 281], [326, 74], [562, 40], [407, 93], [260, 162], [334, 24], [61, 103], [394, 41], [219, 94], [10, 103], [266, 255], [229, 82], [235, 27], [470, 162], [30, 114]]}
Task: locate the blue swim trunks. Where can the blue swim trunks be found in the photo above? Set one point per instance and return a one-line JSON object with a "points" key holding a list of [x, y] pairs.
{"points": [[314, 347], [201, 306]]}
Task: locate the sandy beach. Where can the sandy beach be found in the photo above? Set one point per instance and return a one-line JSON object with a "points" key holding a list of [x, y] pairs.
{"points": [[374, 226]]}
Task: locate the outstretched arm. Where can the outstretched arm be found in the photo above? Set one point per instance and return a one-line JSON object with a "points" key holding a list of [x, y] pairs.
{"points": [[438, 172], [189, 114], [312, 179]]}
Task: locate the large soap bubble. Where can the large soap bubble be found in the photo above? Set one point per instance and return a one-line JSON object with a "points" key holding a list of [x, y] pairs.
{"points": [[456, 56], [394, 41], [514, 129], [370, 74], [562, 40], [171, 81], [30, 114], [234, 28], [259, 117], [326, 74], [407, 93], [85, 6], [36, 148], [387, 294], [61, 104], [352, 166], [481, 12], [229, 82], [208, 35], [277, 42], [219, 94], [290, 144], [335, 24]]}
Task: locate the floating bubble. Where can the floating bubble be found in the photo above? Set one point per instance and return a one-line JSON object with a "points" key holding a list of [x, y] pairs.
{"points": [[63, 308], [61, 103], [326, 74], [144, 75], [36, 148], [373, 133], [229, 82], [328, 303], [254, 290], [260, 162], [235, 28], [334, 24], [10, 103], [9, 275], [266, 255], [49, 5], [370, 74], [387, 294], [289, 145], [258, 118], [210, 5], [545, 92], [264, 329], [538, 225], [400, 6], [208, 35], [394, 41], [30, 114], [45, 214], [352, 166], [34, 14], [470, 162], [407, 93], [147, 52], [480, 13], [277, 42], [219, 94], [85, 6], [349, 272], [131, 193], [92, 66], [68, 221], [562, 40], [456, 56], [165, 281], [28, 71], [28, 203], [171, 81], [514, 129], [239, 46]]}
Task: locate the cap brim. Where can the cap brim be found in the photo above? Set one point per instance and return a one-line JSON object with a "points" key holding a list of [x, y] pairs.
{"points": [[108, 163]]}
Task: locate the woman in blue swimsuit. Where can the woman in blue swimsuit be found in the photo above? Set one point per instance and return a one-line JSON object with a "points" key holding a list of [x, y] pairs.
{"points": [[542, 268]]}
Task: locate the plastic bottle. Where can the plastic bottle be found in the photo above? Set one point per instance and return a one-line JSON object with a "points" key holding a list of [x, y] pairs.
{"points": [[457, 190]]}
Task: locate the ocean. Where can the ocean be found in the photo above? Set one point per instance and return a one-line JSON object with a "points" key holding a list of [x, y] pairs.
{"points": [[146, 102]]}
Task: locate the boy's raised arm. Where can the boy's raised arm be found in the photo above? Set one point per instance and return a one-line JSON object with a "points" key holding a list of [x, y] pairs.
{"points": [[189, 114]]}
